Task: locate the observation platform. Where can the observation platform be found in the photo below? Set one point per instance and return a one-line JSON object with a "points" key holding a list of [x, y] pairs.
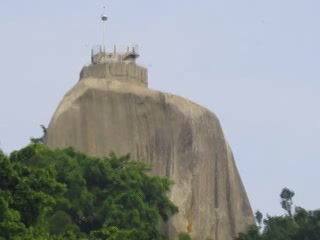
{"points": [[117, 65]]}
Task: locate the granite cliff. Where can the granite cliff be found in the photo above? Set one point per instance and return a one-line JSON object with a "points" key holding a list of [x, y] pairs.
{"points": [[112, 109]]}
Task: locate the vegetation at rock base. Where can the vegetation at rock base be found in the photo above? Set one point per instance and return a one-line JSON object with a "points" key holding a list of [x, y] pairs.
{"points": [[41, 139], [297, 224], [184, 236], [63, 194]]}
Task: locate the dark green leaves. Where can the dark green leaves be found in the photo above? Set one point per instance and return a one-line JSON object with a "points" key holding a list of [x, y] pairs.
{"points": [[295, 225], [63, 194], [286, 200]]}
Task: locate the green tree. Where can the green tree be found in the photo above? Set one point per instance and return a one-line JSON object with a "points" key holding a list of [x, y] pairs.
{"points": [[64, 194], [252, 234], [184, 236], [286, 200], [27, 195], [295, 225], [43, 138], [259, 217]]}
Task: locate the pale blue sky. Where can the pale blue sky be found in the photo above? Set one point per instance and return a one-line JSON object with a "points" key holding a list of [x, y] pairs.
{"points": [[255, 63]]}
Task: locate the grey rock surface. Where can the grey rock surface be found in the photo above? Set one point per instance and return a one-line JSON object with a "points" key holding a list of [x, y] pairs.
{"points": [[179, 138]]}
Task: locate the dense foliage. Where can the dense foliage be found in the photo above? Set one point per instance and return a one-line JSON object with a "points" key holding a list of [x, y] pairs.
{"points": [[63, 194], [296, 224], [184, 236]]}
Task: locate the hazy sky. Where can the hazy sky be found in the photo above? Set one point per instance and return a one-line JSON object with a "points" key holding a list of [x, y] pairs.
{"points": [[255, 63]]}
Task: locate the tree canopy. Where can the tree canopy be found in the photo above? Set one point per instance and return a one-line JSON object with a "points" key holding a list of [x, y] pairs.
{"points": [[297, 224], [64, 194]]}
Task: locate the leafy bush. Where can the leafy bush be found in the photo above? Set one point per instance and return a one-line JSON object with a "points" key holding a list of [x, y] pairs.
{"points": [[184, 236], [294, 225], [64, 194]]}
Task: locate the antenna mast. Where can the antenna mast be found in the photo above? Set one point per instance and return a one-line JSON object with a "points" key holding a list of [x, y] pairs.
{"points": [[104, 19]]}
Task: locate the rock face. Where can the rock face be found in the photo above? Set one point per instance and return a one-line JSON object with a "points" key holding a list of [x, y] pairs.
{"points": [[180, 139]]}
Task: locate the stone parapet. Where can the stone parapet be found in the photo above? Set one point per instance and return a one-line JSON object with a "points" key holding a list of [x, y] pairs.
{"points": [[119, 71]]}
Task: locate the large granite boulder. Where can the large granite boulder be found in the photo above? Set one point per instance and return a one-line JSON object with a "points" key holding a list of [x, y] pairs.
{"points": [[180, 139]]}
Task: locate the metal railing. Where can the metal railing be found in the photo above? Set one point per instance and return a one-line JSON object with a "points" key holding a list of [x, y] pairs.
{"points": [[100, 54]]}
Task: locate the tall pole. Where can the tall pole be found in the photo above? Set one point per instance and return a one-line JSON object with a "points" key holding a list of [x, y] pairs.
{"points": [[104, 19], [104, 36]]}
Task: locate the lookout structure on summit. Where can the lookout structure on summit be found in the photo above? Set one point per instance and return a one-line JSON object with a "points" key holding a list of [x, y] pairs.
{"points": [[111, 108], [120, 66], [115, 65]]}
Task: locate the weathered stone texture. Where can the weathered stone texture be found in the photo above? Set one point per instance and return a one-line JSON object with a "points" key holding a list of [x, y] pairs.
{"points": [[181, 140]]}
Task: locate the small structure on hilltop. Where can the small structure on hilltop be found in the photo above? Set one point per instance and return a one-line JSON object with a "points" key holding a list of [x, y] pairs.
{"points": [[119, 65]]}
